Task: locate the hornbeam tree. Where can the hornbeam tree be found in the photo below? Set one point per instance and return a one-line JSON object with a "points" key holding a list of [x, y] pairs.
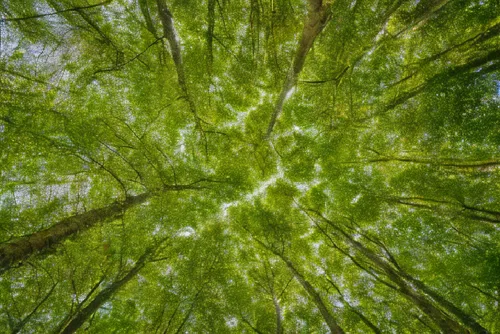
{"points": [[287, 166]]}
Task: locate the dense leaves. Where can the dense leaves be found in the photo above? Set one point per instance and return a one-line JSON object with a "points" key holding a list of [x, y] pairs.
{"points": [[288, 166]]}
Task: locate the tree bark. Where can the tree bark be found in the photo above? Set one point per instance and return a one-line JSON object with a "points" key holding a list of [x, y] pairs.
{"points": [[478, 214], [143, 5], [327, 316], [17, 251], [415, 290], [14, 252], [465, 164], [170, 33], [277, 308], [210, 34], [317, 17], [466, 319], [70, 315]]}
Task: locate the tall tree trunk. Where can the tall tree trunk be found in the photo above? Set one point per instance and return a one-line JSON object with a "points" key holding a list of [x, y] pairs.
{"points": [[491, 57], [327, 316], [143, 5], [415, 290], [14, 252], [170, 33], [103, 296], [325, 313], [465, 318], [363, 318], [450, 163], [277, 308], [317, 17], [79, 306], [210, 34], [440, 206]]}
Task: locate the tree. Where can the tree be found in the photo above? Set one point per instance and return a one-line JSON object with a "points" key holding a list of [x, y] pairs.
{"points": [[249, 166]]}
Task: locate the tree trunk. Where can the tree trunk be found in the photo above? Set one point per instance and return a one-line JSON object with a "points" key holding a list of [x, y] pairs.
{"points": [[438, 206], [14, 252], [317, 17], [416, 291], [103, 296], [170, 33], [466, 319], [143, 5], [327, 316], [277, 308]]}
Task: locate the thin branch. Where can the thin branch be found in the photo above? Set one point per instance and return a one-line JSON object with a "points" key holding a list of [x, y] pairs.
{"points": [[74, 9], [120, 66], [18, 327]]}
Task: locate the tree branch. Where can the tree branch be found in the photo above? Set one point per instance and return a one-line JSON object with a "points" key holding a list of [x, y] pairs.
{"points": [[74, 9]]}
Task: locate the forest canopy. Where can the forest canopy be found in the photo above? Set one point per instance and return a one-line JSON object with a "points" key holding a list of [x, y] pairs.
{"points": [[250, 166]]}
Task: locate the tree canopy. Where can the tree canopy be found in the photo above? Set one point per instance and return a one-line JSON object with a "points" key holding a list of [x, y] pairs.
{"points": [[239, 166]]}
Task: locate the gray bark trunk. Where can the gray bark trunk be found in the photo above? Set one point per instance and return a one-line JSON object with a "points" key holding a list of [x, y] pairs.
{"points": [[317, 17], [14, 252], [417, 292]]}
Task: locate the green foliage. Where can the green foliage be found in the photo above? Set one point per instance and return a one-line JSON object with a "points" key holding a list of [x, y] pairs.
{"points": [[381, 172]]}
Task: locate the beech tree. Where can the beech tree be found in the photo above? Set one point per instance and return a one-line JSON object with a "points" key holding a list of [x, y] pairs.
{"points": [[239, 166]]}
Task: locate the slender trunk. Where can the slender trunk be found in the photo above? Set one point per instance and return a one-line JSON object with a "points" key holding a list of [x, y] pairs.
{"points": [[413, 291], [478, 214], [440, 78], [416, 291], [447, 324], [170, 319], [70, 315], [317, 17], [363, 318], [277, 308], [327, 316], [367, 321], [481, 37], [143, 5], [479, 164], [445, 304], [422, 15], [170, 33], [190, 311], [15, 252], [103, 296], [210, 34], [466, 319]]}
